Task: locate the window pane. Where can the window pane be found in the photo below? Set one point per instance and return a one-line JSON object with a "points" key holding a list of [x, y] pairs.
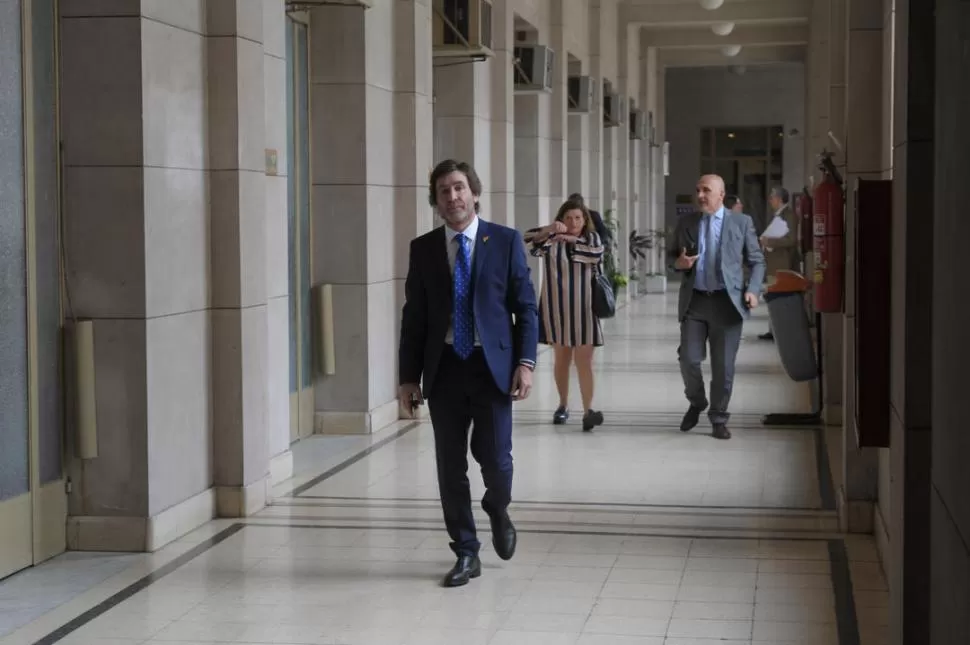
{"points": [[707, 142], [741, 142]]}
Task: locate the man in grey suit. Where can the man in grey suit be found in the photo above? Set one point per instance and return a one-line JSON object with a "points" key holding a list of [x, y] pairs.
{"points": [[711, 249]]}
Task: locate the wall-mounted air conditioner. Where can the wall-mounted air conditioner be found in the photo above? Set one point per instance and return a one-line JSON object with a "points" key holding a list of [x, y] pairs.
{"points": [[306, 5], [638, 124], [532, 68], [614, 110], [461, 28], [581, 95]]}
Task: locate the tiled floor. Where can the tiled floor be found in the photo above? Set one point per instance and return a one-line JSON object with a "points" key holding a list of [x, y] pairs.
{"points": [[634, 534]]}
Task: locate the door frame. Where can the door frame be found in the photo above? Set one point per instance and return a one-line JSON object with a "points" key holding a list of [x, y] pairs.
{"points": [[302, 400]]}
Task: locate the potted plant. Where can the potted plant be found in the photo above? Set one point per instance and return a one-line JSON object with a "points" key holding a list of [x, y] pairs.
{"points": [[610, 267], [656, 281], [639, 245]]}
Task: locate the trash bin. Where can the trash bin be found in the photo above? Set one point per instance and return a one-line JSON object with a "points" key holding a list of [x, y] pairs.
{"points": [[790, 326]]}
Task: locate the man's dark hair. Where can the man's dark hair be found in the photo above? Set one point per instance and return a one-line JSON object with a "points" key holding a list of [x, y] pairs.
{"points": [[781, 193], [447, 167], [730, 201]]}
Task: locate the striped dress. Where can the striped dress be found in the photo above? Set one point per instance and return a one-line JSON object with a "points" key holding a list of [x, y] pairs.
{"points": [[566, 303]]}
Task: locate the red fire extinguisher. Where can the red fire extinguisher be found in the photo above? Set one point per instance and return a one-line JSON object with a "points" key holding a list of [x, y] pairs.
{"points": [[829, 238]]}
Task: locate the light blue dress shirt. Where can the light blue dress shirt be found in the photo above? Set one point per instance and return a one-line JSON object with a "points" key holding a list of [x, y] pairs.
{"points": [[702, 281]]}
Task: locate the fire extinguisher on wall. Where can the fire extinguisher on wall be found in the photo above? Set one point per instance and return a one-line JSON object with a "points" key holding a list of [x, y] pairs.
{"points": [[829, 238]]}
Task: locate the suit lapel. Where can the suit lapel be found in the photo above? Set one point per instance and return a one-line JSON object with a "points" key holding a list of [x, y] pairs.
{"points": [[439, 255], [481, 251], [725, 223]]}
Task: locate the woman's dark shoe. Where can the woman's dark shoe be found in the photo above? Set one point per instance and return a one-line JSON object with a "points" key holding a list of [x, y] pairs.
{"points": [[560, 416], [591, 419]]}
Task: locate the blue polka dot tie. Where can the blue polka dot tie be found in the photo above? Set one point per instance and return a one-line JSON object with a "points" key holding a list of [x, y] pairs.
{"points": [[463, 320]]}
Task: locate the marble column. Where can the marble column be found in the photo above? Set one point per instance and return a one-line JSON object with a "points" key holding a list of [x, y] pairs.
{"points": [[595, 195], [557, 106], [914, 283], [532, 206], [501, 185], [137, 235], [628, 81], [369, 111], [949, 508], [237, 195], [863, 156], [832, 337]]}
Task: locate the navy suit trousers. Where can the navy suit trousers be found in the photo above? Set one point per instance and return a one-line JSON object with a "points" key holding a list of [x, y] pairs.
{"points": [[465, 394]]}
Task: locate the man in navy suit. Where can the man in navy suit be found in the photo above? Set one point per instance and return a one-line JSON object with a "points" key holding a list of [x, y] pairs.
{"points": [[470, 328]]}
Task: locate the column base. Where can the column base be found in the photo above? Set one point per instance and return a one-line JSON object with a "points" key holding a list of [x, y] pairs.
{"points": [[338, 423], [281, 468], [832, 414], [243, 501], [140, 534], [855, 516]]}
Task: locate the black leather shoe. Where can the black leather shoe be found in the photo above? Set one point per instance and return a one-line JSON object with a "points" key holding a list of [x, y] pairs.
{"points": [[591, 419], [691, 418], [560, 416], [503, 536], [720, 431], [768, 336], [467, 567]]}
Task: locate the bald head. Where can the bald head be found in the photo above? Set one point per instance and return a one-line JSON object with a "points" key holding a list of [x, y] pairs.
{"points": [[710, 193]]}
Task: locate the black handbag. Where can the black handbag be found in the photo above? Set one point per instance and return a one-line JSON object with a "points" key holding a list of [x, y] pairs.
{"points": [[604, 300]]}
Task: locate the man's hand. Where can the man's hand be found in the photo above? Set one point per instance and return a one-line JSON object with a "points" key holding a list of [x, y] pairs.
{"points": [[750, 300], [409, 396], [684, 261], [521, 383]]}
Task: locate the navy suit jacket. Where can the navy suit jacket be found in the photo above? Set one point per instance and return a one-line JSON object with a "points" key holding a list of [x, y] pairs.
{"points": [[504, 303]]}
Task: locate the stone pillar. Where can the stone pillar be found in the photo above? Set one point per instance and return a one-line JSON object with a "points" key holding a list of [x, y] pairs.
{"points": [[557, 104], [578, 164], [502, 181], [237, 196], [660, 185], [532, 206], [368, 174], [137, 237], [914, 284], [949, 510], [653, 216], [832, 340], [864, 135], [628, 54], [595, 195]]}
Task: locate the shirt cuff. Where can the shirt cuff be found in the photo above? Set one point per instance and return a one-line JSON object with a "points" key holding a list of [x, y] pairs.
{"points": [[530, 364]]}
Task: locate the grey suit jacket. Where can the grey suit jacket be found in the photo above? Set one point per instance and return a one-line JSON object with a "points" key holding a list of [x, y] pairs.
{"points": [[739, 249]]}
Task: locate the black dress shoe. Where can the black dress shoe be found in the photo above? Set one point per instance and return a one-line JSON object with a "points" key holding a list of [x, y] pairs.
{"points": [[720, 431], [768, 336], [591, 419], [503, 536], [691, 417], [560, 416], [467, 567]]}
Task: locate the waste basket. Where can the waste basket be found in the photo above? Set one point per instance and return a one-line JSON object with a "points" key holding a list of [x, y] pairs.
{"points": [[793, 338], [789, 324]]}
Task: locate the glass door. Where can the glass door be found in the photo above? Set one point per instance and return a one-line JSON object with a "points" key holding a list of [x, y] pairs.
{"points": [[298, 218], [33, 500]]}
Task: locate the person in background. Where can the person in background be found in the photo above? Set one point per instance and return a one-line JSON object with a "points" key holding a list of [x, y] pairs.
{"points": [[598, 223], [572, 251], [469, 330], [733, 203], [780, 252]]}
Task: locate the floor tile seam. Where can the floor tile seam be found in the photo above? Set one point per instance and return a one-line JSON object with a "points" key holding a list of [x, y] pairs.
{"points": [[540, 523], [605, 508]]}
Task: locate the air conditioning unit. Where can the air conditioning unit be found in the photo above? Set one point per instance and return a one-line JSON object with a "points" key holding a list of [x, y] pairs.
{"points": [[581, 95], [614, 110], [638, 124], [306, 5], [461, 29], [532, 69]]}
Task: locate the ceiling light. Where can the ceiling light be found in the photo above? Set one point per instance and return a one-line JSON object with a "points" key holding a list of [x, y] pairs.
{"points": [[730, 135], [722, 28], [731, 50], [711, 5]]}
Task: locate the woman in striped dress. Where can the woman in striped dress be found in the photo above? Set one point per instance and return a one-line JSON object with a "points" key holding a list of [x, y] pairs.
{"points": [[572, 252]]}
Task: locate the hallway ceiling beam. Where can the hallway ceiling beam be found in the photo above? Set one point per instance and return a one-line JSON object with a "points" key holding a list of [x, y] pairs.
{"points": [[702, 37], [714, 58], [691, 14]]}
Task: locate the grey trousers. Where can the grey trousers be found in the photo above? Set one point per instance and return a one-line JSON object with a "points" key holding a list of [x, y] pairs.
{"points": [[711, 318]]}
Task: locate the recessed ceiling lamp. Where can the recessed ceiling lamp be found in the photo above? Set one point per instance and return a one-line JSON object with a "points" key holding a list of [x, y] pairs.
{"points": [[731, 50], [711, 5], [722, 28]]}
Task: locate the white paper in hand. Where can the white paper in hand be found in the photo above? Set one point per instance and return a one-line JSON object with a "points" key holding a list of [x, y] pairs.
{"points": [[777, 228]]}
